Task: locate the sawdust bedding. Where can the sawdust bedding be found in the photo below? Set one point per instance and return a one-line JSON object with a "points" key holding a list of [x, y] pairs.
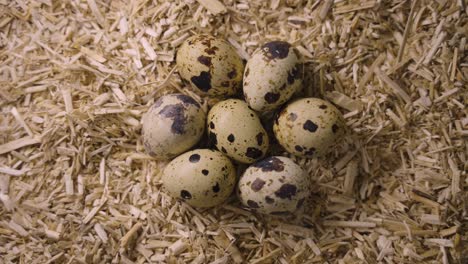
{"points": [[77, 187]]}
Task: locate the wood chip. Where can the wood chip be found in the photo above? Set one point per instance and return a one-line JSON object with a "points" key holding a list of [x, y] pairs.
{"points": [[353, 224], [214, 6], [18, 143], [392, 84]]}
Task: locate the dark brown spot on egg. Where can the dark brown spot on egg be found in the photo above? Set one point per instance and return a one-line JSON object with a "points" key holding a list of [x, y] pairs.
{"points": [[176, 114], [212, 125], [271, 97], [276, 49], [232, 74], [270, 164], [247, 71], [253, 153], [194, 158], [231, 138], [223, 150], [212, 138], [298, 148], [216, 188], [310, 151], [310, 126], [205, 60], [158, 103], [186, 195], [323, 106], [211, 51], [292, 117], [269, 200], [202, 81], [187, 100], [286, 191], [335, 128], [259, 138], [252, 204], [257, 184], [205, 172]]}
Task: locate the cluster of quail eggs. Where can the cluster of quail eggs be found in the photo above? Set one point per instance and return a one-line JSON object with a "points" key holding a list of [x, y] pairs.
{"points": [[204, 177]]}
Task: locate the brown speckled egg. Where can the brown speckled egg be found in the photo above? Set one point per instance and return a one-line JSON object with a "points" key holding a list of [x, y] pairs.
{"points": [[211, 65], [201, 177], [275, 185], [309, 127], [236, 130], [172, 125], [272, 75]]}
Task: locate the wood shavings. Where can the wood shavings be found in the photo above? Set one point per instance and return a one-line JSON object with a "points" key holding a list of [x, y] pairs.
{"points": [[18, 143], [325, 8], [352, 7], [214, 6], [78, 76], [12, 172], [354, 224], [223, 241], [178, 247], [435, 45], [344, 101], [20, 120], [398, 90], [407, 30]]}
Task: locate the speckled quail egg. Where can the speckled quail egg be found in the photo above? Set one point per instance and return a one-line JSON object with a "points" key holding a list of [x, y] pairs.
{"points": [[309, 127], [236, 130], [272, 75], [210, 65], [201, 177], [275, 185], [172, 125]]}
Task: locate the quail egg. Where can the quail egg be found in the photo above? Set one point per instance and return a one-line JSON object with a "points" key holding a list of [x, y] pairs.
{"points": [[272, 75], [211, 65], [201, 177], [236, 130], [172, 125], [309, 127], [275, 185]]}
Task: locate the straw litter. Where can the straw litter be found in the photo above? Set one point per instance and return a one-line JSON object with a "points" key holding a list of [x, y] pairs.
{"points": [[76, 186]]}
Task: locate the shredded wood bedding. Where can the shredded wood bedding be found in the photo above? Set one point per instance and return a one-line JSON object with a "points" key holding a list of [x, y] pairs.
{"points": [[77, 187]]}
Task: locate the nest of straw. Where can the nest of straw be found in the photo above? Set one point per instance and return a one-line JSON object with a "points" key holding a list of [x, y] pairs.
{"points": [[77, 187]]}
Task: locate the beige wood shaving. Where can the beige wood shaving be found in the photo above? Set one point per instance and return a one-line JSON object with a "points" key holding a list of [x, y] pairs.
{"points": [[214, 6]]}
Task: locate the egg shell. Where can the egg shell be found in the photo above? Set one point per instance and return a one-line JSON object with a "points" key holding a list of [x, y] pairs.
{"points": [[309, 127], [211, 65], [236, 130], [272, 75], [173, 125], [201, 177], [275, 185]]}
